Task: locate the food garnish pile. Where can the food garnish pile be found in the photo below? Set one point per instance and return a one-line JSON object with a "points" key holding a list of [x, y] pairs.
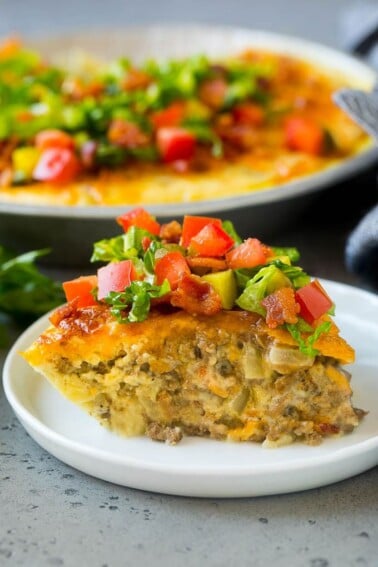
{"points": [[271, 114], [201, 266]]}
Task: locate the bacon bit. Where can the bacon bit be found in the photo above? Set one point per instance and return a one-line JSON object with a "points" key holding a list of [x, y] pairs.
{"points": [[224, 120], [218, 70], [213, 92], [213, 264], [170, 232], [327, 428], [135, 79], [241, 136], [6, 177], [281, 307], [74, 88], [126, 134], [248, 113], [75, 320], [64, 312], [6, 151], [196, 296], [95, 88]]}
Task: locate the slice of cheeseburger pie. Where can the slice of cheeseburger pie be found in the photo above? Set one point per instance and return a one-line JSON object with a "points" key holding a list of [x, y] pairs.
{"points": [[186, 329]]}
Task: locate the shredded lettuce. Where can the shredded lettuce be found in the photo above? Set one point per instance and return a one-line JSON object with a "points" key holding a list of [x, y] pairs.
{"points": [[295, 274], [299, 331], [150, 256], [256, 289], [133, 304], [127, 246]]}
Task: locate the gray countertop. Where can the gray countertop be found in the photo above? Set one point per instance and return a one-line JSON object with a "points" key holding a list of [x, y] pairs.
{"points": [[51, 514]]}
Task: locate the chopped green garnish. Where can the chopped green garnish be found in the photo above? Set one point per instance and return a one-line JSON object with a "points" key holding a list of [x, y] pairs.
{"points": [[133, 304], [306, 341], [127, 246], [291, 252]]}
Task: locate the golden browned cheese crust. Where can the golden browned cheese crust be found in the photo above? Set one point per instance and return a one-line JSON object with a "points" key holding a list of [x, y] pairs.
{"points": [[227, 376]]}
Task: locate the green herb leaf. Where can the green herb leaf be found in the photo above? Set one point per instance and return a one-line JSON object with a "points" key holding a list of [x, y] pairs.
{"points": [[133, 304], [292, 253]]}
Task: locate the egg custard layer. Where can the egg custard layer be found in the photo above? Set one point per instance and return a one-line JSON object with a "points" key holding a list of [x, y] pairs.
{"points": [[226, 376]]}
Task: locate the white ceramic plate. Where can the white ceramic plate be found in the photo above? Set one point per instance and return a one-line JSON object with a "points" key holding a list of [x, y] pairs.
{"points": [[201, 467]]}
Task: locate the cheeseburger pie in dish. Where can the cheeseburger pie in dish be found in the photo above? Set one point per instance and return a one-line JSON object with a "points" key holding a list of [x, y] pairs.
{"points": [[169, 130]]}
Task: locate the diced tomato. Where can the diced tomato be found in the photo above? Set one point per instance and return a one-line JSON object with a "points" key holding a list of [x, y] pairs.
{"points": [[211, 241], [116, 276], [141, 218], [304, 135], [54, 139], [167, 117], [126, 134], [213, 92], [80, 289], [171, 267], [313, 300], [248, 254], [193, 225], [240, 136], [248, 113], [175, 144], [59, 165]]}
